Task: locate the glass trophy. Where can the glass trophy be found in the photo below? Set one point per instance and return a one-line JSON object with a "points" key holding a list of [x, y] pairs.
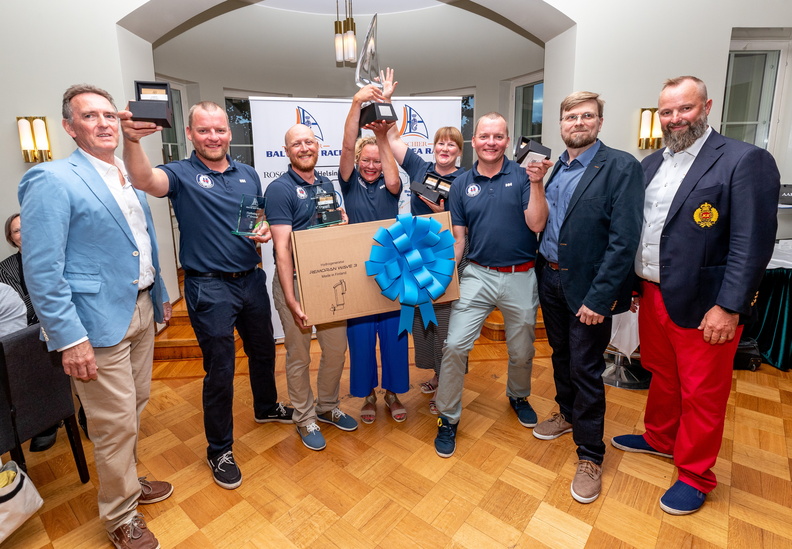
{"points": [[251, 215], [368, 72], [326, 209]]}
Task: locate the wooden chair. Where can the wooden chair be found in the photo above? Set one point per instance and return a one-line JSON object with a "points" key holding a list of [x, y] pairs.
{"points": [[36, 394]]}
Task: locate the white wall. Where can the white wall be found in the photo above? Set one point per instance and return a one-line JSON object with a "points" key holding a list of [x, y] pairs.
{"points": [[624, 50], [72, 45]]}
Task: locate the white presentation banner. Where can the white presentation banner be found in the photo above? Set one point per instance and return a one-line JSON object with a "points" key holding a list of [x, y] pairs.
{"points": [[419, 119]]}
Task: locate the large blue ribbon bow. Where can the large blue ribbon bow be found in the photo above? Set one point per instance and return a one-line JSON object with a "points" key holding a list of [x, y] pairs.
{"points": [[415, 262]]}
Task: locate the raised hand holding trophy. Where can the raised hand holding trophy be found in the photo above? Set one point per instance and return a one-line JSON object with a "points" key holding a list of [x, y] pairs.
{"points": [[368, 72]]}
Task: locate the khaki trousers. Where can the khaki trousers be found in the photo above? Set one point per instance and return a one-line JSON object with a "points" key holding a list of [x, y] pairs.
{"points": [[333, 342], [113, 404]]}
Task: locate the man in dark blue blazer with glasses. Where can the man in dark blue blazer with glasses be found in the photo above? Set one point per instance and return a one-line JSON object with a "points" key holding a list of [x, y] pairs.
{"points": [[595, 199]]}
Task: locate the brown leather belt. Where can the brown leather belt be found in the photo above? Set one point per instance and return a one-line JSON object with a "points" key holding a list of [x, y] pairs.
{"points": [[521, 268], [552, 265]]}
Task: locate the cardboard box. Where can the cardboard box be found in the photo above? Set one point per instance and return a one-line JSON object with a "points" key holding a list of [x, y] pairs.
{"points": [[331, 272]]}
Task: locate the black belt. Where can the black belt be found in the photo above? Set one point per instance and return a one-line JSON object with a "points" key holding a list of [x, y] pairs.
{"points": [[146, 289], [651, 282], [240, 274]]}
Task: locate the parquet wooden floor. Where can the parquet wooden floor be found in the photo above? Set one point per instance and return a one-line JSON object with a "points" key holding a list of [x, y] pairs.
{"points": [[383, 485]]}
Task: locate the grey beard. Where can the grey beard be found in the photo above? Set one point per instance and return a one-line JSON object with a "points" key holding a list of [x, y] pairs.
{"points": [[681, 141]]}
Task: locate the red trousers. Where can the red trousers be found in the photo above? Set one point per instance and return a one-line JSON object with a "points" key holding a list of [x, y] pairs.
{"points": [[691, 381]]}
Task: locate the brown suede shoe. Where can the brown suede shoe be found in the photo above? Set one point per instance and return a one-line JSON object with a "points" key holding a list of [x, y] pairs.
{"points": [[133, 535], [152, 491], [553, 427], [587, 482]]}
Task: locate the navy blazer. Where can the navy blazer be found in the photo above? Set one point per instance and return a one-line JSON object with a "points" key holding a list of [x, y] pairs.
{"points": [[600, 234], [81, 260], [720, 229]]}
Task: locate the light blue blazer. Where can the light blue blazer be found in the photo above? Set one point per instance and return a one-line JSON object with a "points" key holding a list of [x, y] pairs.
{"points": [[80, 259]]}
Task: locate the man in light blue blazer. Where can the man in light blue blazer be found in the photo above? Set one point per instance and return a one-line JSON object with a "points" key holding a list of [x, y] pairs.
{"points": [[92, 270]]}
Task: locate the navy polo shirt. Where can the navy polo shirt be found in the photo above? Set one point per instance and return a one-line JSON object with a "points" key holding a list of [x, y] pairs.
{"points": [[368, 201], [290, 199], [207, 203], [493, 210], [417, 168], [559, 192]]}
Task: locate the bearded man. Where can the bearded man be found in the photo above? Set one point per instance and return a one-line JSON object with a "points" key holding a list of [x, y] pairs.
{"points": [[291, 206], [584, 268], [708, 234]]}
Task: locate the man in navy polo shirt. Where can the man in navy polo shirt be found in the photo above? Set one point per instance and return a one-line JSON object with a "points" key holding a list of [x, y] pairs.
{"points": [[291, 206], [448, 142], [501, 207], [223, 286]]}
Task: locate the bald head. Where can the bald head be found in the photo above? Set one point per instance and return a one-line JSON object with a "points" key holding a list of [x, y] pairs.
{"points": [[302, 148], [297, 132]]}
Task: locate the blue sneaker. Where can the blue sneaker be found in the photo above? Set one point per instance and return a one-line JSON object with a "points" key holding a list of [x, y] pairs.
{"points": [[682, 499], [636, 443], [339, 419], [445, 441], [312, 437], [525, 414]]}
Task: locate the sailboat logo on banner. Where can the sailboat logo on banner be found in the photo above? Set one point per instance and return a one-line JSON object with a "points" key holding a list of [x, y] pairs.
{"points": [[304, 117], [413, 124]]}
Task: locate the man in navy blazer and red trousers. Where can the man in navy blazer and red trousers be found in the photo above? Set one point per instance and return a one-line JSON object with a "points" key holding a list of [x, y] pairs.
{"points": [[709, 229]]}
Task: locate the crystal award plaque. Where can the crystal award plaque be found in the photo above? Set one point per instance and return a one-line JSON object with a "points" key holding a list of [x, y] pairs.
{"points": [[251, 215], [368, 72]]}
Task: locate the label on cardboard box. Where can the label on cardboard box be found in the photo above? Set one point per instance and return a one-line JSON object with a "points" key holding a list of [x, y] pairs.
{"points": [[331, 271]]}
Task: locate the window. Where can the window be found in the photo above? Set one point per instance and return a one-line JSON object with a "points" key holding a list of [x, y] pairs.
{"points": [[466, 126], [528, 101], [174, 144], [750, 90], [241, 149]]}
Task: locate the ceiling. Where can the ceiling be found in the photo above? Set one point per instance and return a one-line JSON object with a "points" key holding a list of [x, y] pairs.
{"points": [[359, 7]]}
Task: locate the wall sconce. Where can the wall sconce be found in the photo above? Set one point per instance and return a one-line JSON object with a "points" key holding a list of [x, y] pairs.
{"points": [[350, 42], [33, 138], [650, 134]]}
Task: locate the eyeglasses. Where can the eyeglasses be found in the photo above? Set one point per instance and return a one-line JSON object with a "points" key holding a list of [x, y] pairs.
{"points": [[572, 118]]}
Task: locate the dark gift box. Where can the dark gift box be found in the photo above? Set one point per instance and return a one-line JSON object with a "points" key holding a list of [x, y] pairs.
{"points": [[432, 188], [153, 103], [528, 150]]}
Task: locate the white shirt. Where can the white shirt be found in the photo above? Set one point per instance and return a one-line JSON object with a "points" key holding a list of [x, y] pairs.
{"points": [[130, 206], [657, 202]]}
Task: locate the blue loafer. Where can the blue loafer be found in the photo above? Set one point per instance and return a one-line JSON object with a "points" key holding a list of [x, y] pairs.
{"points": [[682, 499], [636, 443]]}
